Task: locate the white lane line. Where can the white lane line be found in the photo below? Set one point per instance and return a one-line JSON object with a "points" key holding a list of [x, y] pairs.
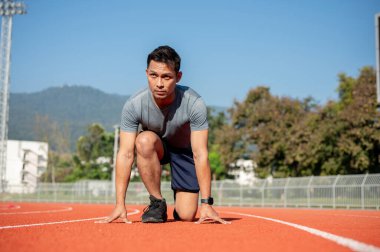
{"points": [[346, 242], [43, 211], [9, 207], [61, 222]]}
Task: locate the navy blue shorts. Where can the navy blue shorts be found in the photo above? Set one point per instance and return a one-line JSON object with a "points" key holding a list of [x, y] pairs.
{"points": [[182, 168]]}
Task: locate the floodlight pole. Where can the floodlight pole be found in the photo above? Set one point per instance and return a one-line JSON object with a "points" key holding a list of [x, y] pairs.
{"points": [[115, 150], [8, 9], [377, 22]]}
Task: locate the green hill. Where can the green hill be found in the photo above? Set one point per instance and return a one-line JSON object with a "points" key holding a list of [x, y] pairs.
{"points": [[76, 106]]}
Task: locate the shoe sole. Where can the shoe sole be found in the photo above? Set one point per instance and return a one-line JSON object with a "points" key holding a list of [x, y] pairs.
{"points": [[153, 220]]}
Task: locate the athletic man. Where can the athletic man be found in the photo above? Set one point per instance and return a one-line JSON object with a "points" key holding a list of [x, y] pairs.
{"points": [[165, 123]]}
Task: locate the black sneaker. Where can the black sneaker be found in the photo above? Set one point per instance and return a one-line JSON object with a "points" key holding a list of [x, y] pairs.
{"points": [[156, 212]]}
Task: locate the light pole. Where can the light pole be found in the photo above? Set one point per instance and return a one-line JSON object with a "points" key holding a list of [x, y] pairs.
{"points": [[8, 8], [115, 150], [377, 33]]}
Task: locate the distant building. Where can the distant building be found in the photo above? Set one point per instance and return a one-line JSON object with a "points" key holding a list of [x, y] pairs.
{"points": [[26, 162], [243, 171]]}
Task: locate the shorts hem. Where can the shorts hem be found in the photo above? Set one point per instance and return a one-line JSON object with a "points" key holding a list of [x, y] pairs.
{"points": [[185, 190]]}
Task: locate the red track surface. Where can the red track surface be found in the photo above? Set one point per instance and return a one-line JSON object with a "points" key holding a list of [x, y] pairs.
{"points": [[249, 232]]}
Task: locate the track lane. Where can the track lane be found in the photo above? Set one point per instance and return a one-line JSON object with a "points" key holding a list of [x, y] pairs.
{"points": [[360, 225], [245, 233], [343, 241], [51, 212]]}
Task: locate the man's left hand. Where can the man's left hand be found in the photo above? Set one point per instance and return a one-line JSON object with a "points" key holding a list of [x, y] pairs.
{"points": [[208, 213]]}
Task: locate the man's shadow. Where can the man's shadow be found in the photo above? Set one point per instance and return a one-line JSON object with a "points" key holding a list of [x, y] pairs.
{"points": [[209, 221], [195, 220]]}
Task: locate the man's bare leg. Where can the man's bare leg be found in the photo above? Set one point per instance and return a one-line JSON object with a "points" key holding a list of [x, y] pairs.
{"points": [[186, 205], [149, 152]]}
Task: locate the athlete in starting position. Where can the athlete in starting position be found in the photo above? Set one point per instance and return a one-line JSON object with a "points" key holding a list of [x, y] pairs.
{"points": [[165, 123]]}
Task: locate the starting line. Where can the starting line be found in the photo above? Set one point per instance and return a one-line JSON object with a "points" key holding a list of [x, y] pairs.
{"points": [[43, 211], [343, 241], [9, 207], [61, 222]]}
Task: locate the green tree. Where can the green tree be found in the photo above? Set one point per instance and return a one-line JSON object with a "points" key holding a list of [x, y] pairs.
{"points": [[218, 170], [297, 138], [266, 123], [59, 167], [57, 136], [59, 156], [97, 143], [346, 139], [216, 121], [94, 155], [359, 143]]}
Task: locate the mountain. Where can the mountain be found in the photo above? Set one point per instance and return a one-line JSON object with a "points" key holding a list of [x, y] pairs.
{"points": [[77, 106]]}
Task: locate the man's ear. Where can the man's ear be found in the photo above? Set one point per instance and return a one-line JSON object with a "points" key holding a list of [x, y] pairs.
{"points": [[179, 76]]}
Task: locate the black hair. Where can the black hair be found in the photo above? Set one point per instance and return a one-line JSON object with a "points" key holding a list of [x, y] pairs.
{"points": [[165, 54]]}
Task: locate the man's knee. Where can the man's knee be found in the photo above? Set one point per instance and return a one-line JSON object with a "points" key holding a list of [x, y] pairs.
{"points": [[184, 215], [145, 143], [186, 205]]}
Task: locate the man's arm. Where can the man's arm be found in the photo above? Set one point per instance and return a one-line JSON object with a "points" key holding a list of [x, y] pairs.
{"points": [[199, 146], [124, 161]]}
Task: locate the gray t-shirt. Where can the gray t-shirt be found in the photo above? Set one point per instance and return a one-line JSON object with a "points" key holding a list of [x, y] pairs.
{"points": [[174, 123]]}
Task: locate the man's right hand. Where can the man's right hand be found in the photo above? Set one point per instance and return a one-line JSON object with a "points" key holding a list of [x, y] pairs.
{"points": [[119, 212]]}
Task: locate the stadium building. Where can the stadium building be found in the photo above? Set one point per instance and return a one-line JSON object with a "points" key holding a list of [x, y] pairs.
{"points": [[26, 162]]}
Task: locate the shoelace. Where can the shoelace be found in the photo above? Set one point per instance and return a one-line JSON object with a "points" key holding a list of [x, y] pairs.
{"points": [[152, 205]]}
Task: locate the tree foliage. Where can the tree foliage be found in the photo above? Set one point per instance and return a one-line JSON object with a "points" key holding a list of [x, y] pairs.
{"points": [[292, 137], [93, 159], [58, 138], [283, 135], [60, 165], [216, 121], [56, 135], [97, 143], [94, 155]]}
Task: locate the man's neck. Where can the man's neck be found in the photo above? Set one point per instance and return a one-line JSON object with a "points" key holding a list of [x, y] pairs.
{"points": [[164, 103]]}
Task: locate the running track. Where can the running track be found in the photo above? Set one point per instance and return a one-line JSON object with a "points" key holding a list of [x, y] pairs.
{"points": [[71, 227]]}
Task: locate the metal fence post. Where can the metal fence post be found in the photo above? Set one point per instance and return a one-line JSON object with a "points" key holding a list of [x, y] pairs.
{"points": [[362, 190], [308, 191], [241, 195], [321, 191], [220, 192], [38, 192], [333, 188], [286, 191], [105, 191], [54, 192], [72, 194], [88, 193], [263, 193]]}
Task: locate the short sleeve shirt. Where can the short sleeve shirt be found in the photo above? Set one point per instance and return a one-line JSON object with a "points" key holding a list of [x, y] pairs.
{"points": [[174, 123]]}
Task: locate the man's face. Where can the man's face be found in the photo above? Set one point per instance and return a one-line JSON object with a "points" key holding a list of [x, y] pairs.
{"points": [[162, 80]]}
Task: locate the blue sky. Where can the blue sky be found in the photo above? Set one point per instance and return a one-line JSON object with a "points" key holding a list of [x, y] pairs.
{"points": [[295, 47]]}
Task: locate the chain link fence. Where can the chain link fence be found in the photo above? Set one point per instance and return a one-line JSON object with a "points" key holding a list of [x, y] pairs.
{"points": [[349, 191]]}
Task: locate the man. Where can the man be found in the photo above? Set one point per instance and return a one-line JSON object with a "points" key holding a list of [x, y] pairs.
{"points": [[165, 123]]}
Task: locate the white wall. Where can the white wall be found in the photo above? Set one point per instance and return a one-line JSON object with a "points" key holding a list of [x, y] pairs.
{"points": [[26, 161], [243, 171]]}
